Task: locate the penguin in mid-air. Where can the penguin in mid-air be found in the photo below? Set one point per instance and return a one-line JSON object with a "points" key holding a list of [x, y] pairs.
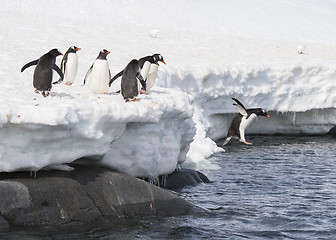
{"points": [[149, 67], [69, 65], [42, 78], [241, 121], [129, 81], [100, 74]]}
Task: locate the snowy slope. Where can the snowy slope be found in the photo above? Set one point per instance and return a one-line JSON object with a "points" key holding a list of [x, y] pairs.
{"points": [[214, 50]]}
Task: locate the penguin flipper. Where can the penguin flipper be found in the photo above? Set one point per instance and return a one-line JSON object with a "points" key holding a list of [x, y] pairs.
{"points": [[88, 73], [59, 81], [142, 81], [240, 107], [58, 70], [29, 64], [115, 77], [63, 62]]}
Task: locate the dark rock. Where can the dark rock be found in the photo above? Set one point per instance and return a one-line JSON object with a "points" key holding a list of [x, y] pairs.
{"points": [[182, 178], [3, 224], [332, 132], [82, 196]]}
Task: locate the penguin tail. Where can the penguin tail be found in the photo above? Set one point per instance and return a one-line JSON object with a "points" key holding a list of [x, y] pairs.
{"points": [[227, 140]]}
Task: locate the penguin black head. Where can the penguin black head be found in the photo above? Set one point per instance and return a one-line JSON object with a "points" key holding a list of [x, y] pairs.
{"points": [[102, 54], [158, 57], [261, 112], [54, 52], [74, 49]]}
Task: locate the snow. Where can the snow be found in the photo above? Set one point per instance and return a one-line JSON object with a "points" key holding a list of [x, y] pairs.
{"points": [[214, 50]]}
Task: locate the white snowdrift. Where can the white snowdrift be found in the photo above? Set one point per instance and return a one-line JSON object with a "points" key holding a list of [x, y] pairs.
{"points": [[145, 139], [214, 50]]}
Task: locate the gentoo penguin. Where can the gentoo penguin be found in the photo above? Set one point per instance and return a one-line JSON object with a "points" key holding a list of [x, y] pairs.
{"points": [[69, 65], [100, 74], [242, 120], [43, 71], [149, 70], [149, 66], [129, 83]]}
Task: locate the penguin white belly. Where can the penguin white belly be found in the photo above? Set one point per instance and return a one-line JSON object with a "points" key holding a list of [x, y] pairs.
{"points": [[244, 124], [145, 70], [71, 68], [151, 76], [144, 73], [100, 77]]}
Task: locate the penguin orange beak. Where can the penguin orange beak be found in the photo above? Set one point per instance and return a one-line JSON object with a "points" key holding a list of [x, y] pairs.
{"points": [[163, 62], [267, 116], [157, 64], [108, 52], [78, 48]]}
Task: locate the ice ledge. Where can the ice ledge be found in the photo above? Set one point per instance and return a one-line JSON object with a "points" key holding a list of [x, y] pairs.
{"points": [[143, 139]]}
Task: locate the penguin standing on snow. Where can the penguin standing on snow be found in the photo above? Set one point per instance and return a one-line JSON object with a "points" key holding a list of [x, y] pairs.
{"points": [[42, 77], [129, 83], [100, 74], [242, 120], [149, 70], [69, 66], [149, 67]]}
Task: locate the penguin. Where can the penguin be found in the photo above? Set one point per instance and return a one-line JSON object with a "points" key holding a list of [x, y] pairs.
{"points": [[69, 65], [101, 74], [129, 83], [149, 70], [149, 66], [241, 121], [42, 77]]}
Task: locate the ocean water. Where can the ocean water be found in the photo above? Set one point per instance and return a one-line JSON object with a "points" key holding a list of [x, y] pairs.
{"points": [[282, 187]]}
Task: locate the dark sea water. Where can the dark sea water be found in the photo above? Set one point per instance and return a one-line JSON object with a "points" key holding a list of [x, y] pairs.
{"points": [[282, 187]]}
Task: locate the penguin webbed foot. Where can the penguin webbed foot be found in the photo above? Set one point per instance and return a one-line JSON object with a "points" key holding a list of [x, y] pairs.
{"points": [[143, 92], [132, 100], [45, 94], [247, 143]]}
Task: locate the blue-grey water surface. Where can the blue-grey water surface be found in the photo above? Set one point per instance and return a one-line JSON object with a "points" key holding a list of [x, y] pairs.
{"points": [[282, 187]]}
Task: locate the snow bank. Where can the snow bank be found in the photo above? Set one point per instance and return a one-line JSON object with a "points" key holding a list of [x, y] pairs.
{"points": [[145, 139], [214, 50], [284, 89]]}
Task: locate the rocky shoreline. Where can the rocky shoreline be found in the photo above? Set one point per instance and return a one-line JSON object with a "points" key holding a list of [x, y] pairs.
{"points": [[87, 194]]}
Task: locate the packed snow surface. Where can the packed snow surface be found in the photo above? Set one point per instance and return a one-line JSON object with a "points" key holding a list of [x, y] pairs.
{"points": [[280, 56]]}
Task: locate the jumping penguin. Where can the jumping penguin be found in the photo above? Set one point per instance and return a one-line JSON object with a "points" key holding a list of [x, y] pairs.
{"points": [[69, 65], [42, 77], [101, 74], [129, 83], [149, 67], [241, 121]]}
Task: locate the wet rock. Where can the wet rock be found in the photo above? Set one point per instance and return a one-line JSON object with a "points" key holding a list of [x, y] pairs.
{"points": [[82, 196], [3, 224], [182, 178]]}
